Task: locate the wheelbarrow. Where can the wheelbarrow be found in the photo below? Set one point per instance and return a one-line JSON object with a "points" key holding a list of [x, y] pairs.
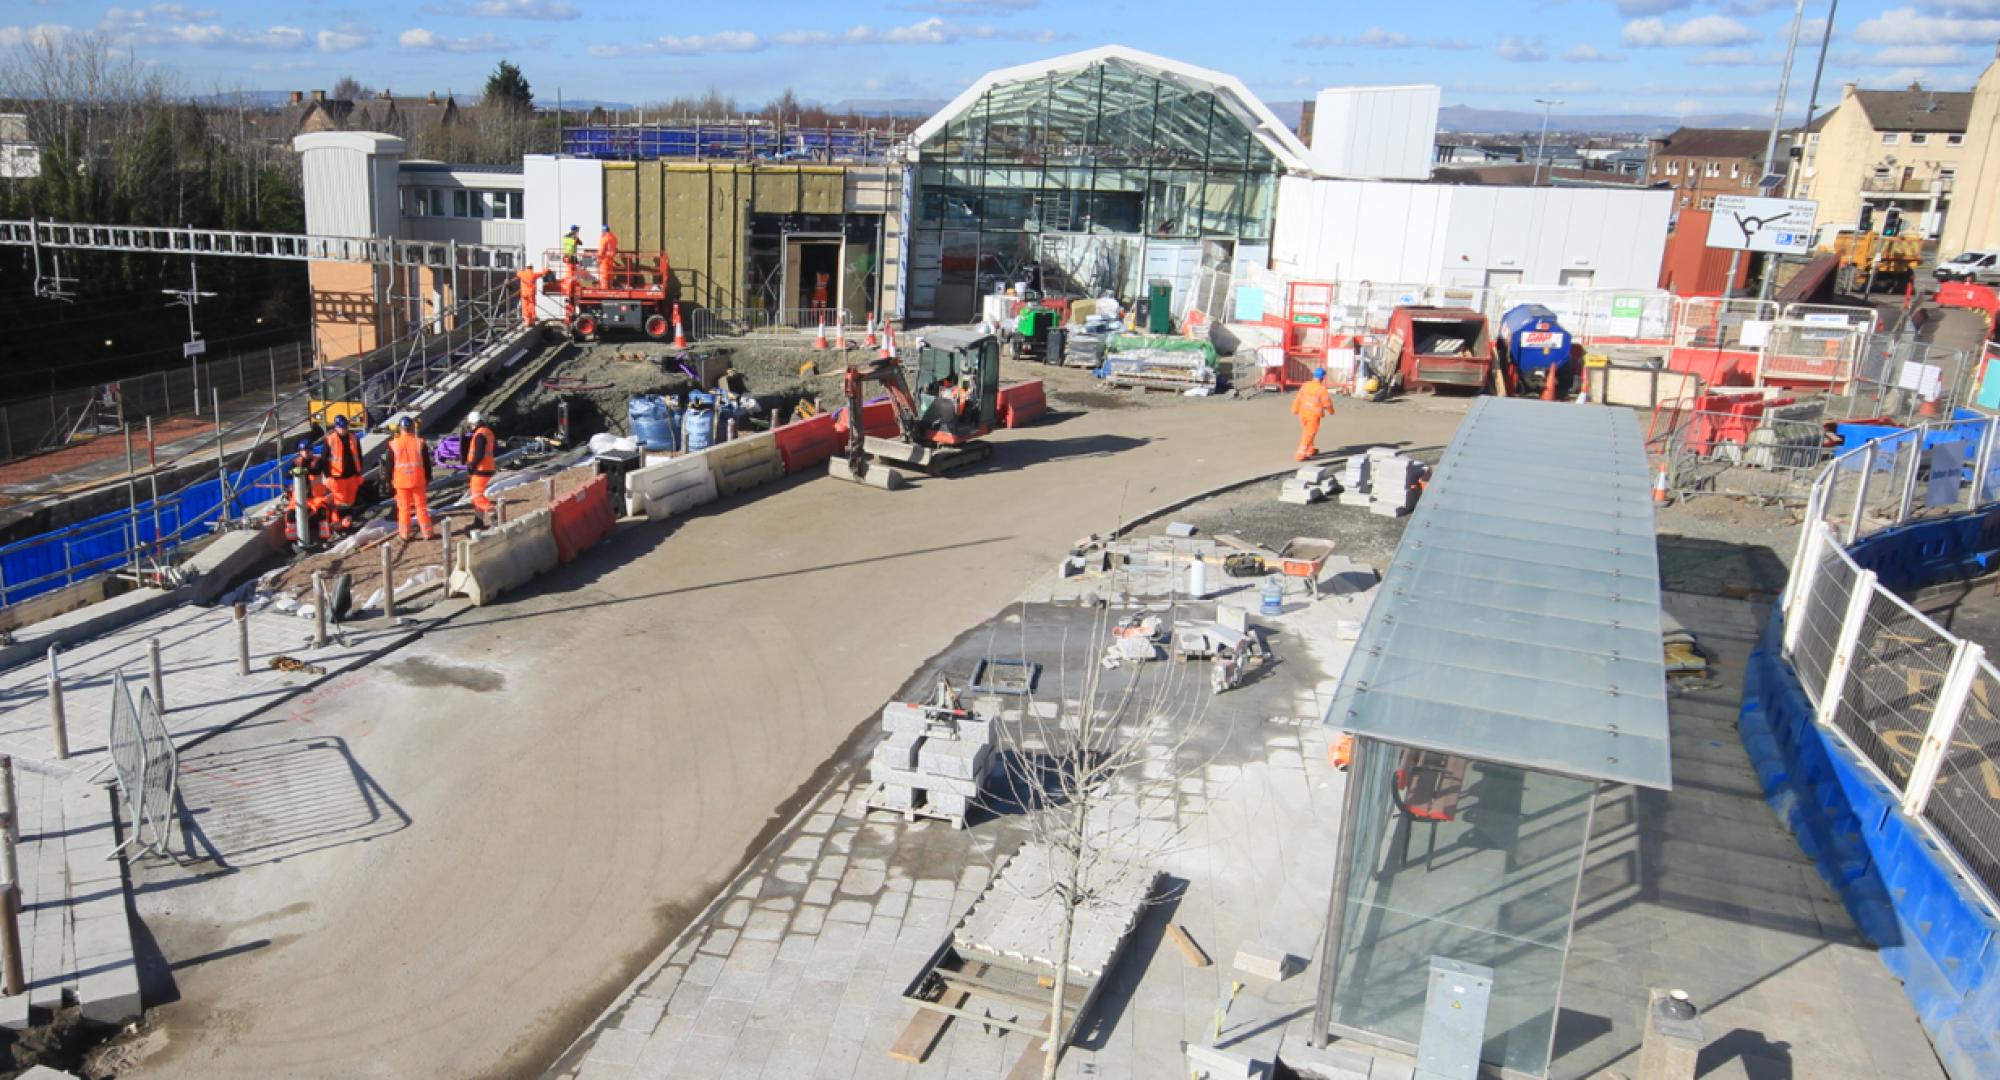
{"points": [[1304, 557]]}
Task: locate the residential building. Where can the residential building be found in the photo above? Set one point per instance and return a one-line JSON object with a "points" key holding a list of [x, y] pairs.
{"points": [[1698, 164], [1888, 148], [1974, 223], [384, 112], [20, 158]]}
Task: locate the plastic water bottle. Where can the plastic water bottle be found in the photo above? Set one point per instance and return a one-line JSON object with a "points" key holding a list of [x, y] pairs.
{"points": [[1272, 600]]}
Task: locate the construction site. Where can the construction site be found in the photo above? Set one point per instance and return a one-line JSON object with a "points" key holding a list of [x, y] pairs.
{"points": [[1096, 585]]}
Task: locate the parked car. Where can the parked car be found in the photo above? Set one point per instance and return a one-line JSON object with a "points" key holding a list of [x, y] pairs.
{"points": [[1981, 267]]}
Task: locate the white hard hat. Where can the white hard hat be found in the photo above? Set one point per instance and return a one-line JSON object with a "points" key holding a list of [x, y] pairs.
{"points": [[472, 417]]}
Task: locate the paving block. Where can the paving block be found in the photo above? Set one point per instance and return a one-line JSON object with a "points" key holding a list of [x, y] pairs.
{"points": [[898, 750], [946, 803], [1180, 528], [1354, 497], [926, 782], [1388, 510], [903, 718], [1258, 960], [953, 758]]}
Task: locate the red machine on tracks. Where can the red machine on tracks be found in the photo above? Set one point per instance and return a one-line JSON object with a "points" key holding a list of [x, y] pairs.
{"points": [[630, 290]]}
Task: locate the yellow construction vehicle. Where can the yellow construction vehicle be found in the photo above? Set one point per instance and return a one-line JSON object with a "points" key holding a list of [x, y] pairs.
{"points": [[1891, 260], [337, 391]]}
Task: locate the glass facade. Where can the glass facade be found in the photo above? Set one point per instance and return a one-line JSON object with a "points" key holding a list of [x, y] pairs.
{"points": [[1110, 149], [1473, 861]]}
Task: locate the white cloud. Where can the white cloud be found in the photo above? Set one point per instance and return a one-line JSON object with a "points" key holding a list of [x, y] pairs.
{"points": [[1521, 50], [1651, 7], [164, 13], [523, 9], [976, 7], [933, 31], [37, 36], [1377, 38], [1573, 87], [1905, 55], [1729, 58], [420, 39], [1905, 26], [1591, 54], [1702, 30], [728, 41], [344, 39]]}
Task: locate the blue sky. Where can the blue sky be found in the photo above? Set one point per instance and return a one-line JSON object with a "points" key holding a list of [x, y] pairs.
{"points": [[1652, 56]]}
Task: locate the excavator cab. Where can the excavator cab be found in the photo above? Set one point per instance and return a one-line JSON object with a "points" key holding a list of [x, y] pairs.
{"points": [[339, 390], [957, 385]]}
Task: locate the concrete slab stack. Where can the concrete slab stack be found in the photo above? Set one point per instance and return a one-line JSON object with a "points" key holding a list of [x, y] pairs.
{"points": [[1392, 486], [1354, 481], [931, 762], [1308, 485], [1018, 920]]}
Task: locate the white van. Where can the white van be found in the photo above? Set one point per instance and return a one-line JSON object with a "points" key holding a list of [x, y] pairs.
{"points": [[1981, 267]]}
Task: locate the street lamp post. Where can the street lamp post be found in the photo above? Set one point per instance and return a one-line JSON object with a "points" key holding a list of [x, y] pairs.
{"points": [[1542, 149]]}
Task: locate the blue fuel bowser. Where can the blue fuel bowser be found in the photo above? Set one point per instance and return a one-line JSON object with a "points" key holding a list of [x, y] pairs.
{"points": [[1538, 349]]}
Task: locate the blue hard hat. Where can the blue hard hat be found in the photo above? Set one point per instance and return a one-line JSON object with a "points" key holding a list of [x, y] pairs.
{"points": [[1319, 373], [340, 422], [574, 228], [305, 444], [605, 228]]}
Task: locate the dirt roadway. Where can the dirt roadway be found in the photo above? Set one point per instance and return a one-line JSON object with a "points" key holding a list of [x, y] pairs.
{"points": [[449, 862]]}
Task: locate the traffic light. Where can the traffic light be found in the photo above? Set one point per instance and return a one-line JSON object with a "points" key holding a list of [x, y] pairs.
{"points": [[1892, 222], [1867, 223]]}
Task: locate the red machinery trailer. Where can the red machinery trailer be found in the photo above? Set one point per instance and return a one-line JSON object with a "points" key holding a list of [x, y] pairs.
{"points": [[635, 292], [1441, 347]]}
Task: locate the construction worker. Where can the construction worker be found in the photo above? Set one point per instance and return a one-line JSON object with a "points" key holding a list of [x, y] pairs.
{"points": [[479, 445], [343, 471], [607, 255], [528, 277], [409, 465], [1312, 403], [572, 247]]}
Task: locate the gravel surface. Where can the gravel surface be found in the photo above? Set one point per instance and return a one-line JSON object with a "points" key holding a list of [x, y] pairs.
{"points": [[611, 373], [1718, 545]]}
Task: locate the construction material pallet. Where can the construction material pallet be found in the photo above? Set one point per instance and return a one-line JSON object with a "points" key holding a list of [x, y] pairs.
{"points": [[997, 966], [873, 801]]}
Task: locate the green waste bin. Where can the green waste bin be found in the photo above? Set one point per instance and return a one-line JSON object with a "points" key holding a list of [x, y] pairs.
{"points": [[1160, 307]]}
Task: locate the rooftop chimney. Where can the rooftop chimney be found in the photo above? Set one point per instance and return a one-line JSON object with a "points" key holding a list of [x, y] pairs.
{"points": [[298, 96], [319, 95]]}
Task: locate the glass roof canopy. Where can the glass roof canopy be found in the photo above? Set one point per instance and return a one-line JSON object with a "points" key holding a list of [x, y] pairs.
{"points": [[1108, 111], [1520, 619]]}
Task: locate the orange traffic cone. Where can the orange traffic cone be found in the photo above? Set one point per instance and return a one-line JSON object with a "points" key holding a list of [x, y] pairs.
{"points": [[1549, 386], [840, 335], [888, 341], [870, 342], [819, 339], [1660, 487], [680, 336]]}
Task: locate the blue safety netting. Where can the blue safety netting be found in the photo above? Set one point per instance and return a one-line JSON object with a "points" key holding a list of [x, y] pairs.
{"points": [[88, 548], [637, 142]]}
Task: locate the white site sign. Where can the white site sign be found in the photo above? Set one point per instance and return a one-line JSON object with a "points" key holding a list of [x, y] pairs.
{"points": [[1776, 226]]}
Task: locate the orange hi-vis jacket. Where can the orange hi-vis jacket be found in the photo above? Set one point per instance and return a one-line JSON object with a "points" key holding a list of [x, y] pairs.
{"points": [[479, 451], [343, 455], [1312, 400], [412, 458]]}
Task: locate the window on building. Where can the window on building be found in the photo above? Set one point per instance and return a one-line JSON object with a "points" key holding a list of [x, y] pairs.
{"points": [[1673, 168], [1735, 171], [1954, 140], [1882, 173], [1714, 168], [506, 205], [1889, 138], [1707, 202], [461, 204], [1918, 138], [1947, 173]]}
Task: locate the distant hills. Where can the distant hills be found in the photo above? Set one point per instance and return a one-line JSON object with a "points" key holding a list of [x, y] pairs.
{"points": [[1466, 119]]}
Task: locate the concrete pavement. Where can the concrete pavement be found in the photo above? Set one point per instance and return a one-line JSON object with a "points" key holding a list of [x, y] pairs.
{"points": [[550, 788]]}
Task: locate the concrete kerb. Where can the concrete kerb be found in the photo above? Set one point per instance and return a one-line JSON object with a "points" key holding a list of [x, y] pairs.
{"points": [[847, 761]]}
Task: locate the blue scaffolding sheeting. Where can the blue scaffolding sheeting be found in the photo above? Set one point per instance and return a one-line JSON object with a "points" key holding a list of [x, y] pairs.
{"points": [[739, 142], [88, 548]]}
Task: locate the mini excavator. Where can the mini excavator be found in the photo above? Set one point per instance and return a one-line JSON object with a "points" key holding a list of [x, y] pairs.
{"points": [[939, 424]]}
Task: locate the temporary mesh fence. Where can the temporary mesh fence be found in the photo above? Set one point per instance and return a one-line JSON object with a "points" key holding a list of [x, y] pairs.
{"points": [[1965, 804]]}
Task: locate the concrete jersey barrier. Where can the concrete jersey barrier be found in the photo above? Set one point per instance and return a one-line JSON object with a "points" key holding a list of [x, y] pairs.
{"points": [[742, 464], [671, 487], [505, 558]]}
